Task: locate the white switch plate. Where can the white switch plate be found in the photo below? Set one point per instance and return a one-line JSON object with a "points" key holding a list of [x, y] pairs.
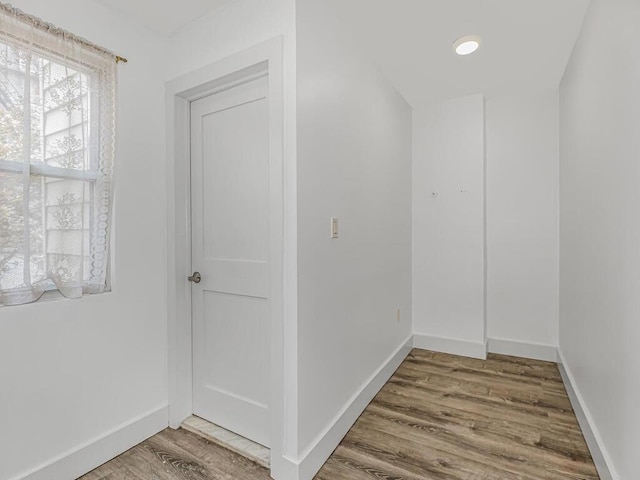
{"points": [[334, 227]]}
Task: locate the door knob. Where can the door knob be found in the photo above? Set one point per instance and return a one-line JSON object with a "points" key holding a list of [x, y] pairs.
{"points": [[195, 278]]}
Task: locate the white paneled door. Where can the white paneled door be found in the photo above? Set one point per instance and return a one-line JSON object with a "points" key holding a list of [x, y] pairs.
{"points": [[230, 249]]}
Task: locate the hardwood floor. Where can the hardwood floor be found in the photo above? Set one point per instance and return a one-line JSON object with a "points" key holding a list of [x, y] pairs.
{"points": [[447, 417], [178, 455], [440, 417]]}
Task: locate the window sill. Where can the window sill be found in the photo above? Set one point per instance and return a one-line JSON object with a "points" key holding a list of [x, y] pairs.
{"points": [[53, 294]]}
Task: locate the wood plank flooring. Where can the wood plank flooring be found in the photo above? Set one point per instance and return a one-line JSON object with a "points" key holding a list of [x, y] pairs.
{"points": [[440, 417], [178, 455], [447, 417]]}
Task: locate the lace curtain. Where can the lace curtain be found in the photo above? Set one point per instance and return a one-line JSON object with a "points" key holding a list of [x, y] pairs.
{"points": [[57, 122]]}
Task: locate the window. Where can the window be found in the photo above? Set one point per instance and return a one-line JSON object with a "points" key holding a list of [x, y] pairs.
{"points": [[57, 121]]}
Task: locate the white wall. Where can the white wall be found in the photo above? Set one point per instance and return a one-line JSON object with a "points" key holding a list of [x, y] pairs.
{"points": [[522, 217], [233, 27], [354, 163], [600, 227], [72, 370], [518, 136], [448, 224]]}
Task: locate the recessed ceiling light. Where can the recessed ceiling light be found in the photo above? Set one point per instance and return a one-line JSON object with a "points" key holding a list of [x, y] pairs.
{"points": [[467, 45]]}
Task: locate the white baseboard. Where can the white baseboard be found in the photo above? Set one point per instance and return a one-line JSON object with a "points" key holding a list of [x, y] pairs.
{"points": [[535, 351], [450, 345], [284, 468], [312, 459], [599, 453], [78, 461]]}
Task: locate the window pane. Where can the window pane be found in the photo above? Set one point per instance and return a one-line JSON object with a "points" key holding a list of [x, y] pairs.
{"points": [[12, 230], [69, 218]]}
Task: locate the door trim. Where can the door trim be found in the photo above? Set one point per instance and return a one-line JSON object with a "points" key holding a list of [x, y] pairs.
{"points": [[263, 59]]}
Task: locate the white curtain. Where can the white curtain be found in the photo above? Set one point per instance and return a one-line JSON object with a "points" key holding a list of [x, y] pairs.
{"points": [[57, 122]]}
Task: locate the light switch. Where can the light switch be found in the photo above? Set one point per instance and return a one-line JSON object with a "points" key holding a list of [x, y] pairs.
{"points": [[334, 227]]}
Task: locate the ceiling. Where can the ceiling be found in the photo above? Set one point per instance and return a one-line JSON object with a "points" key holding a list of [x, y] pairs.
{"points": [[164, 16], [525, 43]]}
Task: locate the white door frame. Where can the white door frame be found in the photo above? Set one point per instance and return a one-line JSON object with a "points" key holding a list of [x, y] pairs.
{"points": [[223, 74]]}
